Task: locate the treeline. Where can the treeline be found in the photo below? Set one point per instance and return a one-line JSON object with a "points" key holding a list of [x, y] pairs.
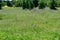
{"points": [[30, 4]]}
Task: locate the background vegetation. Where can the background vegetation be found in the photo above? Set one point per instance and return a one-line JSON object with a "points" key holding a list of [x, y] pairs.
{"points": [[30, 4]]}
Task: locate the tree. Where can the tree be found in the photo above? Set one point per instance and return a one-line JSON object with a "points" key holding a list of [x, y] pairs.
{"points": [[17, 3], [35, 2], [41, 4], [52, 5], [24, 4], [9, 3], [30, 4], [27, 4], [0, 4]]}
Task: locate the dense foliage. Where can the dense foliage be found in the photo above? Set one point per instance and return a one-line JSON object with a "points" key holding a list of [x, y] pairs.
{"points": [[41, 4], [53, 4], [0, 4], [30, 4]]}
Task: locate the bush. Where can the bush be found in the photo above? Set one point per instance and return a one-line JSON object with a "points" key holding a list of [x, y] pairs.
{"points": [[41, 4], [30, 5], [9, 3], [52, 5], [24, 4], [27, 4], [0, 4], [17, 3], [4, 3], [58, 3], [35, 2]]}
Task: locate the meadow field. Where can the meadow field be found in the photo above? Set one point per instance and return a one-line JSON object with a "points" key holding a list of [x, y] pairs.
{"points": [[35, 24]]}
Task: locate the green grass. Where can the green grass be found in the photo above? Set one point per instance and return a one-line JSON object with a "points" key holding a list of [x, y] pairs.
{"points": [[18, 24]]}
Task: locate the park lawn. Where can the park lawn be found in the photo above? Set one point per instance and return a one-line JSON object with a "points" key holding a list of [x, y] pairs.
{"points": [[35, 24]]}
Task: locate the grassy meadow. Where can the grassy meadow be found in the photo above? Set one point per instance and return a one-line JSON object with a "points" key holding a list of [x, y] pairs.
{"points": [[35, 24]]}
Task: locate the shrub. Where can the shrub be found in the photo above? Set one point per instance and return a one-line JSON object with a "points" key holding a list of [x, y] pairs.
{"points": [[4, 3], [30, 5], [24, 4], [41, 4], [27, 4], [9, 3], [17, 3], [0, 4], [35, 2], [52, 5]]}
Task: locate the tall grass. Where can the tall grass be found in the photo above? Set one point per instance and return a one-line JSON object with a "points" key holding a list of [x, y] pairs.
{"points": [[19, 24]]}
